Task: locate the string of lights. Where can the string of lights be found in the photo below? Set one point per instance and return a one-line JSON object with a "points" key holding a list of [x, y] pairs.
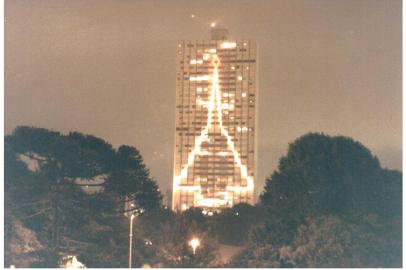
{"points": [[215, 109]]}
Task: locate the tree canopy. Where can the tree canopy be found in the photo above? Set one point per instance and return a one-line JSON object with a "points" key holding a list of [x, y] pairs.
{"points": [[47, 180], [329, 204], [323, 175]]}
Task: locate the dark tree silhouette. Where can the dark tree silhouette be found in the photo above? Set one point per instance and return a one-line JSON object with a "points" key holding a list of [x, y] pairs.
{"points": [[49, 198], [130, 180], [326, 175]]}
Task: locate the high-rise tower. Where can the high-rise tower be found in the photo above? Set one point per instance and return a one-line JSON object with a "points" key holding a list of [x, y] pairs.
{"points": [[215, 140]]}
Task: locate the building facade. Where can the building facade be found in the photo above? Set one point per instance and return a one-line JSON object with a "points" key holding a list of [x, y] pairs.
{"points": [[215, 142]]}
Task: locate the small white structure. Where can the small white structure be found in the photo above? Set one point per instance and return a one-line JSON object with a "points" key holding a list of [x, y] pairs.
{"points": [[71, 262]]}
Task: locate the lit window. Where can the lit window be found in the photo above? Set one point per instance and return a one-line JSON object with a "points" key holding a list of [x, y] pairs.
{"points": [[244, 94], [228, 106], [233, 67], [243, 129], [212, 50], [194, 61], [240, 78], [200, 78], [228, 45]]}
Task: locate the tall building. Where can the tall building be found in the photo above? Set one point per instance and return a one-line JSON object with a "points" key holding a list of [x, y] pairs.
{"points": [[215, 142]]}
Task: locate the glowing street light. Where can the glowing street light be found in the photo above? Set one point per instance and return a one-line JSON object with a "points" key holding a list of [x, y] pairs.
{"points": [[131, 240], [194, 243]]}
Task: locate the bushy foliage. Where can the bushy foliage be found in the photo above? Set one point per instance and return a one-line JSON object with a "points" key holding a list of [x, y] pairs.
{"points": [[329, 241], [171, 233], [323, 175], [329, 204], [232, 225], [332, 242], [41, 188]]}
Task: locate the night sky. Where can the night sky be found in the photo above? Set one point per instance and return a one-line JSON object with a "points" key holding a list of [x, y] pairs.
{"points": [[107, 68]]}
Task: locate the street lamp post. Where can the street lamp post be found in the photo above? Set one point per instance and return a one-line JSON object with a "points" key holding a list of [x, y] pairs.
{"points": [[131, 240], [194, 243]]}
